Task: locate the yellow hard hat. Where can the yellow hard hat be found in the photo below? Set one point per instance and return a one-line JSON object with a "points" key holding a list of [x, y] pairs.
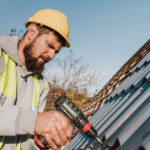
{"points": [[52, 19]]}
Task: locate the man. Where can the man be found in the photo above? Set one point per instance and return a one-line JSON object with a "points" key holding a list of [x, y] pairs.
{"points": [[23, 89]]}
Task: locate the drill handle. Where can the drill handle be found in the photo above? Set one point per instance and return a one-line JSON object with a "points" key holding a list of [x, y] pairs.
{"points": [[40, 140]]}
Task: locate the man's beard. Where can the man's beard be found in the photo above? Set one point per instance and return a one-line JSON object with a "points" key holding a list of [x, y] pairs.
{"points": [[31, 62]]}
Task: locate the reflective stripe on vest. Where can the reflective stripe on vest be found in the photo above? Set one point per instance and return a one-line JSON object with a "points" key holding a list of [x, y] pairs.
{"points": [[36, 94], [8, 82], [8, 78], [1, 143], [45, 85]]}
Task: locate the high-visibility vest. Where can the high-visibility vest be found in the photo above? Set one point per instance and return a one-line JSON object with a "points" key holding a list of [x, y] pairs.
{"points": [[8, 87]]}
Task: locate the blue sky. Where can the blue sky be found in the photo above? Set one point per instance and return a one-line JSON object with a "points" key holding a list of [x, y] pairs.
{"points": [[106, 32]]}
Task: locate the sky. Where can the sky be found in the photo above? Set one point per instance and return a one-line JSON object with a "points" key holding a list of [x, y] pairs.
{"points": [[105, 32]]}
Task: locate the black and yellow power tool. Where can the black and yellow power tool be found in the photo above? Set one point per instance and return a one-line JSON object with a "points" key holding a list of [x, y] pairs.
{"points": [[66, 107]]}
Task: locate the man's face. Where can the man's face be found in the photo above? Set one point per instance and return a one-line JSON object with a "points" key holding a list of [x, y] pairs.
{"points": [[40, 51]]}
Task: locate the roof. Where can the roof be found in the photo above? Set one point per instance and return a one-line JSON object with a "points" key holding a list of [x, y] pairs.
{"points": [[123, 121], [116, 80]]}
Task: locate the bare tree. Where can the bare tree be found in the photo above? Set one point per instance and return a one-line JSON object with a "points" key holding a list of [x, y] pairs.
{"points": [[14, 32], [75, 74], [73, 79]]}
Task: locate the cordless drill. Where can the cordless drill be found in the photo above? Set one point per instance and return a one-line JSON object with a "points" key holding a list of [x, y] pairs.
{"points": [[66, 107]]}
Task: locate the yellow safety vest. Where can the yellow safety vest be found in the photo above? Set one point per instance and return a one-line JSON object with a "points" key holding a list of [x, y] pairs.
{"points": [[8, 87]]}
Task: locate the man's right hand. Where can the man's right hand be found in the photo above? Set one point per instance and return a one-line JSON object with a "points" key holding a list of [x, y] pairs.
{"points": [[55, 127]]}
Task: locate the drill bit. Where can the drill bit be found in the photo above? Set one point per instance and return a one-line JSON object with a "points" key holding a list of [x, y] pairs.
{"points": [[99, 140]]}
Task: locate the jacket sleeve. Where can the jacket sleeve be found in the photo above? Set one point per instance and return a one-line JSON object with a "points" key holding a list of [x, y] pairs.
{"points": [[30, 143], [26, 126], [10, 121], [15, 125]]}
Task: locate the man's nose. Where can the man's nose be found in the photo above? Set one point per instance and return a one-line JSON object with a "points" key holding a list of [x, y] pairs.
{"points": [[52, 54]]}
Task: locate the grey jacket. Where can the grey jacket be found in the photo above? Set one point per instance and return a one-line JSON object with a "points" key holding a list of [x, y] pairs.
{"points": [[18, 119]]}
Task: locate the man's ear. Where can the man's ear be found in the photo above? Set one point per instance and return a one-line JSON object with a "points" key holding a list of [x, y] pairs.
{"points": [[32, 32]]}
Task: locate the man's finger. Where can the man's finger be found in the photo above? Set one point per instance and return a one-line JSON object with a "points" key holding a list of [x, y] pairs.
{"points": [[51, 144], [61, 133], [56, 136], [68, 130]]}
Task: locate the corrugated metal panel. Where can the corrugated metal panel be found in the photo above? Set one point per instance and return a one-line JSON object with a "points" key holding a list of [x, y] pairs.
{"points": [[123, 122], [135, 78], [146, 58], [145, 145]]}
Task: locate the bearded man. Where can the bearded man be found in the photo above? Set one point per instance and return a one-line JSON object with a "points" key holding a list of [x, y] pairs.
{"points": [[23, 89]]}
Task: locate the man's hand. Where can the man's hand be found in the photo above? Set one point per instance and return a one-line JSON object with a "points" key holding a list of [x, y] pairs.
{"points": [[55, 127]]}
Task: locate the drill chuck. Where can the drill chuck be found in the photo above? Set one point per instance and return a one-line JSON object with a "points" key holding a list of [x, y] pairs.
{"points": [[87, 128], [91, 133]]}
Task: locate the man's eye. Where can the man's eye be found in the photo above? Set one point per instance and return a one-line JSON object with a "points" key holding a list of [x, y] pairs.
{"points": [[49, 45]]}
